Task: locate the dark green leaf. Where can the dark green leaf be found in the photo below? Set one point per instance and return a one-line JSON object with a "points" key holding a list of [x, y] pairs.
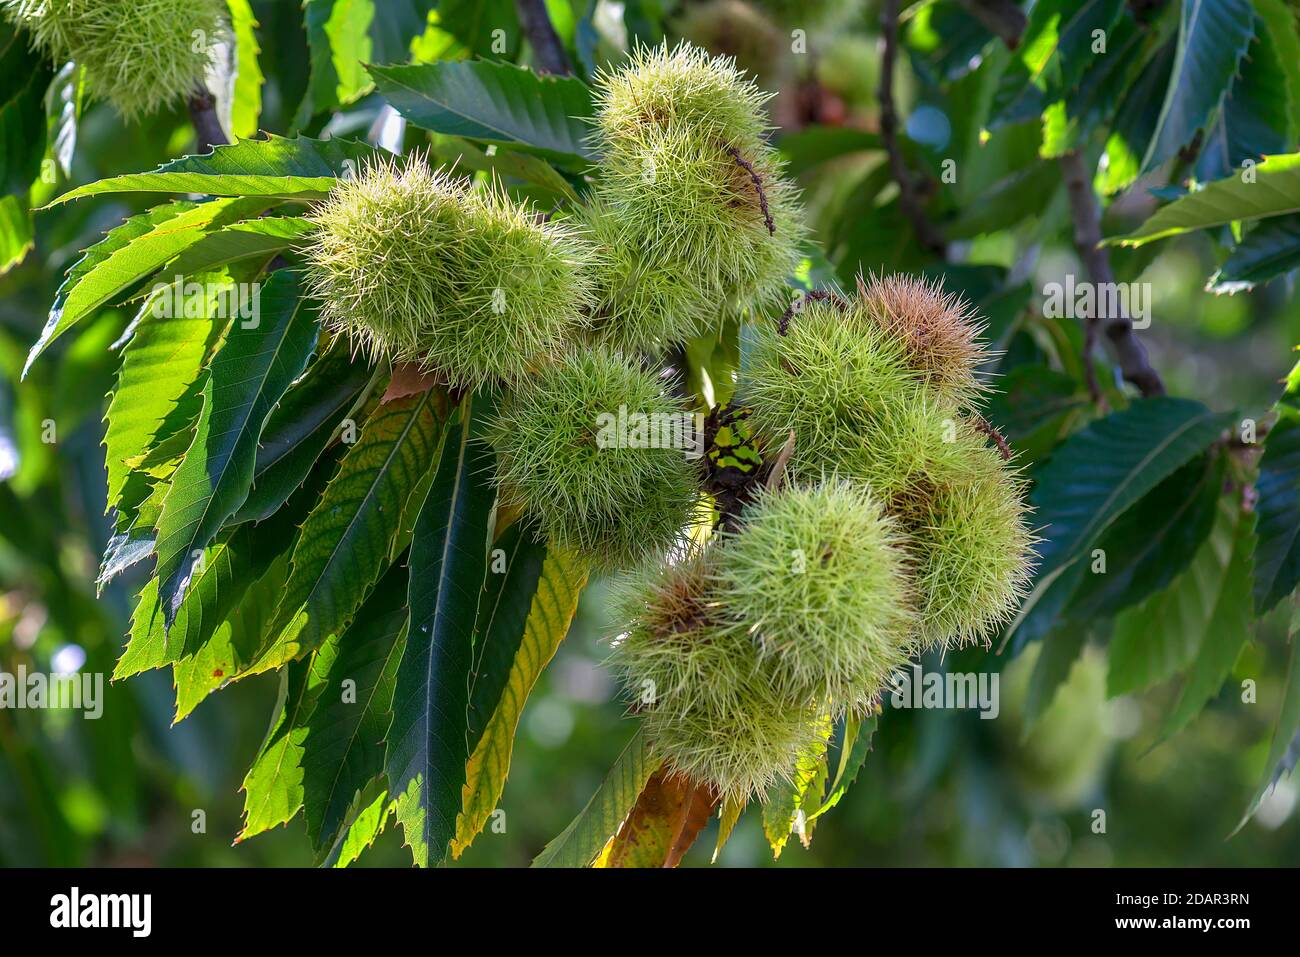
{"points": [[514, 569], [427, 749], [1226, 621], [300, 428], [1090, 480], [274, 167], [346, 540], [344, 748], [1269, 250], [251, 371], [1255, 117], [24, 77], [1277, 562], [494, 103], [1212, 38], [1148, 545], [158, 390], [1053, 53]]}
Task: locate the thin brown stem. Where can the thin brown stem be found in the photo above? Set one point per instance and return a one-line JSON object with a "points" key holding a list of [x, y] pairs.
{"points": [[548, 51], [1129, 352], [203, 115]]}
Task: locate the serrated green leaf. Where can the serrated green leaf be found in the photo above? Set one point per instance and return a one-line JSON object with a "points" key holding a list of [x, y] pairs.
{"points": [[214, 592], [253, 368], [158, 390], [1150, 543], [515, 568], [208, 660], [1271, 189], [1255, 117], [1212, 38], [338, 39], [130, 253], [1226, 621], [729, 816], [494, 103], [345, 542], [1269, 250], [553, 605], [273, 168], [300, 428], [427, 749], [858, 734], [786, 799], [1284, 34], [1277, 561], [1090, 480], [273, 787], [579, 843], [344, 747], [252, 239], [365, 824]]}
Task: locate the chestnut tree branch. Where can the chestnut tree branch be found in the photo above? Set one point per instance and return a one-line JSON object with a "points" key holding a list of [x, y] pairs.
{"points": [[1118, 329], [548, 52], [909, 198], [203, 115]]}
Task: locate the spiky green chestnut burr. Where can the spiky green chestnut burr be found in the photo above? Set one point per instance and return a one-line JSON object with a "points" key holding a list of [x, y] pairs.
{"points": [[818, 576], [415, 265], [972, 551], [572, 451], [691, 196], [643, 302], [140, 55], [939, 333], [706, 697], [846, 390]]}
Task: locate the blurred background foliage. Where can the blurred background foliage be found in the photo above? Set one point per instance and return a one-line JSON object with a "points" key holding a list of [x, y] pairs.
{"points": [[940, 787]]}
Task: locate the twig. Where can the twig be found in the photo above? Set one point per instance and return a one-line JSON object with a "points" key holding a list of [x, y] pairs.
{"points": [[1002, 18], [908, 198], [757, 180], [1129, 352], [547, 49], [203, 115]]}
